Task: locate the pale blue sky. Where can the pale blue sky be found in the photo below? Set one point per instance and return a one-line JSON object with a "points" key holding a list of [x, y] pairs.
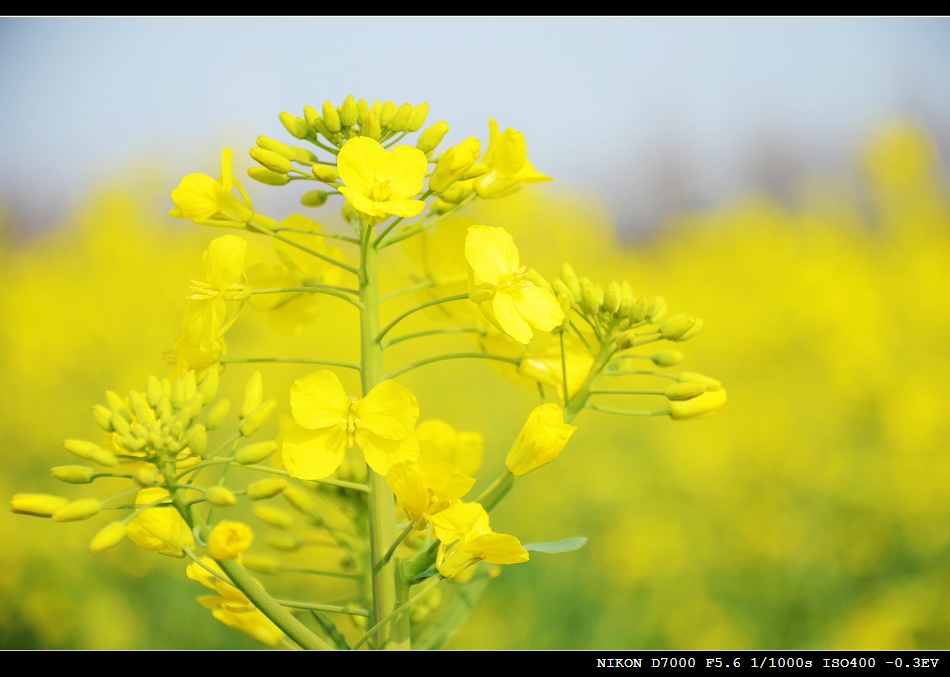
{"points": [[629, 108]]}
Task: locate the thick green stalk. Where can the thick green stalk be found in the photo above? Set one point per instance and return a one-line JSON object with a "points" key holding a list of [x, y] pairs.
{"points": [[382, 510]]}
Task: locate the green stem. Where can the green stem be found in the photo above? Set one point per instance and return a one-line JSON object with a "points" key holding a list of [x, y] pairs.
{"points": [[452, 356], [426, 283], [290, 360], [638, 372], [628, 412], [385, 232], [333, 236], [292, 243], [628, 392], [392, 549], [369, 633], [416, 309], [432, 332], [277, 471], [338, 292], [425, 226], [567, 395], [329, 608]]}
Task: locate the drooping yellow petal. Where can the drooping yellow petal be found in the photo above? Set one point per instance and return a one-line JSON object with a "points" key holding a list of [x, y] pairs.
{"points": [[509, 319], [361, 203], [404, 170], [357, 163], [202, 322], [159, 529], [510, 152], [538, 307], [404, 208], [250, 621], [318, 400], [540, 441], [389, 410], [382, 454], [458, 520], [491, 252], [445, 482], [313, 454], [196, 197], [497, 549], [411, 494]]}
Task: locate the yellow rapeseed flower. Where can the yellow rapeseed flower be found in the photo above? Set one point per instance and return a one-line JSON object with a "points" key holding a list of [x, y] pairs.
{"points": [[160, 529], [378, 182], [228, 539], [208, 201], [540, 441], [205, 318], [508, 165], [453, 164], [501, 287], [425, 492], [478, 543], [544, 364], [329, 422], [439, 442]]}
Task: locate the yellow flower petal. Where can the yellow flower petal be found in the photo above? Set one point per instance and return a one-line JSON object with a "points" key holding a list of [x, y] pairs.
{"points": [[357, 163], [196, 197], [540, 441], [411, 494], [538, 307], [318, 400], [228, 539], [404, 169], [159, 529], [509, 319], [202, 322], [491, 252], [313, 454], [497, 549], [361, 203], [223, 261], [389, 410], [445, 482], [458, 520], [382, 454], [404, 208]]}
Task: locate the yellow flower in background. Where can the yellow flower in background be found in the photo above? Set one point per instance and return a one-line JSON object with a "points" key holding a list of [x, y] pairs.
{"points": [[502, 289], [478, 543], [508, 165], [540, 441], [424, 491], [440, 255], [703, 405], [544, 364], [453, 164], [230, 605], [329, 422], [160, 529], [378, 182], [210, 202], [228, 539], [439, 442], [205, 319], [291, 312], [38, 505]]}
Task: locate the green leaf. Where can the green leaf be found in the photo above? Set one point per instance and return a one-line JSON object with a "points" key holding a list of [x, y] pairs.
{"points": [[330, 630], [564, 545]]}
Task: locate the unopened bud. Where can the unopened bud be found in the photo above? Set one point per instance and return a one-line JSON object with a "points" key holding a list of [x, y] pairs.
{"points": [[275, 146], [271, 160], [571, 280], [538, 280], [637, 311], [331, 117], [208, 387], [311, 114], [218, 413], [299, 499], [273, 516], [473, 172], [314, 198], [693, 377], [197, 439], [591, 299], [103, 417], [668, 358], [684, 391], [145, 476], [432, 136], [253, 394], [257, 418], [401, 117], [177, 396], [362, 108], [675, 327], [107, 537], [658, 312], [73, 474], [418, 117], [481, 293], [82, 509], [386, 113], [267, 177], [698, 327], [261, 563], [284, 542], [303, 155], [325, 173], [702, 405], [348, 111], [626, 339], [220, 496], [564, 300], [293, 124], [38, 505], [262, 489], [91, 452], [117, 405], [139, 407], [370, 126], [612, 298], [349, 213], [120, 425], [255, 453]]}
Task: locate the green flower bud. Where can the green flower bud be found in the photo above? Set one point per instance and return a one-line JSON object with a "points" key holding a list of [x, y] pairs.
{"points": [[255, 453], [400, 119], [693, 377], [612, 298], [117, 405], [261, 563], [103, 417], [220, 496], [107, 537], [668, 358], [197, 439], [299, 499], [267, 177], [658, 311], [626, 339], [91, 452], [637, 311], [296, 126], [120, 425], [139, 407], [370, 126], [145, 476], [253, 394], [73, 474], [362, 108], [209, 385], [702, 405], [82, 509], [257, 491], [698, 327], [684, 391], [331, 118], [273, 516], [589, 295], [271, 160], [177, 397], [314, 198], [257, 418], [275, 146], [284, 542], [348, 111], [674, 328], [418, 117], [325, 173], [432, 136], [218, 413], [311, 114], [386, 113], [303, 155], [571, 280]]}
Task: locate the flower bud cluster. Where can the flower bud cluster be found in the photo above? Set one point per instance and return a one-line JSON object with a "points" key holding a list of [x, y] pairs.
{"points": [[338, 124]]}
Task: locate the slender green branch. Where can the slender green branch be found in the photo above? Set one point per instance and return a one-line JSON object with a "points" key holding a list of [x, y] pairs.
{"points": [[292, 243], [396, 140], [318, 572], [392, 549], [452, 356], [627, 412], [315, 289], [639, 372], [628, 392], [583, 340], [425, 226], [432, 332], [379, 238], [567, 394], [398, 610], [497, 490], [416, 309], [315, 140], [291, 360], [318, 233], [329, 608], [428, 282], [362, 488]]}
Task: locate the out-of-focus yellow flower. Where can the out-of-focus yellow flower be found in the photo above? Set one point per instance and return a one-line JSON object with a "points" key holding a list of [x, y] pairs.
{"points": [[478, 543], [439, 442], [703, 405], [107, 537], [231, 606], [425, 491], [378, 182], [160, 528], [501, 287], [209, 202], [228, 539], [205, 317], [540, 441], [543, 364], [453, 164], [329, 422], [38, 505], [291, 312], [508, 165]]}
